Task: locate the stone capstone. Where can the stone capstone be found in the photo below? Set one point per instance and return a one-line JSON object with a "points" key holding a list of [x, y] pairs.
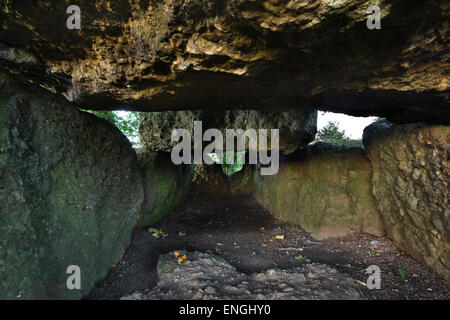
{"points": [[238, 54], [296, 128]]}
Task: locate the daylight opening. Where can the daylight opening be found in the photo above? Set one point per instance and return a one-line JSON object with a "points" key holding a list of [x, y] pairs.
{"points": [[126, 121], [340, 128]]}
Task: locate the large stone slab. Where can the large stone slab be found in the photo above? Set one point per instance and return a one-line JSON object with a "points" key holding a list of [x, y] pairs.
{"points": [[238, 54], [296, 128], [70, 190], [411, 176], [166, 185], [209, 277], [326, 189], [211, 180]]}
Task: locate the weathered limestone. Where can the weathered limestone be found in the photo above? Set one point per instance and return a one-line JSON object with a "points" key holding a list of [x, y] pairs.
{"points": [[411, 177], [239, 54], [210, 180], [326, 189], [166, 185], [297, 128], [70, 189], [209, 277]]}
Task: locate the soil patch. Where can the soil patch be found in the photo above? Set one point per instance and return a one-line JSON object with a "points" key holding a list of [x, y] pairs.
{"points": [[251, 240]]}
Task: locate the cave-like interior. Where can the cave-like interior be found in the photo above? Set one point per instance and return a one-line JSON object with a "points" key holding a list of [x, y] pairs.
{"points": [[299, 214]]}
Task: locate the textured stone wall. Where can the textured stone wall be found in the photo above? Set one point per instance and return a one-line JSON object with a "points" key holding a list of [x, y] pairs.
{"points": [[326, 189], [297, 128], [210, 180], [411, 182], [70, 190], [166, 185], [238, 54]]}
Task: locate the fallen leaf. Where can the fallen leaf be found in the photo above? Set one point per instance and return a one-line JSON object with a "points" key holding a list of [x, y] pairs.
{"points": [[341, 243], [182, 259], [429, 289], [176, 254], [182, 234], [361, 283], [279, 237], [157, 233]]}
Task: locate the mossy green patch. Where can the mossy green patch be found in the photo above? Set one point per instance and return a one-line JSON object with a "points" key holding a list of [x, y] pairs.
{"points": [[326, 190], [70, 188], [166, 186]]}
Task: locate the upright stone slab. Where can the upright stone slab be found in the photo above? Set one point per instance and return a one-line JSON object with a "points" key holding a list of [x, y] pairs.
{"points": [[166, 185], [326, 189], [70, 189], [411, 177], [210, 180]]}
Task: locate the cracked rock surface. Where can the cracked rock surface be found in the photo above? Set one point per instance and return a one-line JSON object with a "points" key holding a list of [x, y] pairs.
{"points": [[271, 55], [411, 175], [206, 276]]}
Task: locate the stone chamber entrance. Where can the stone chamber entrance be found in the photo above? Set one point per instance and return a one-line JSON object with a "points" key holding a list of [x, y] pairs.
{"points": [[74, 191]]}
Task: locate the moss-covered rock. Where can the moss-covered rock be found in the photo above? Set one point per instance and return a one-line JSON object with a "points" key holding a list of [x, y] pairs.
{"points": [[411, 176], [70, 189], [326, 189], [297, 128], [210, 180], [166, 185]]}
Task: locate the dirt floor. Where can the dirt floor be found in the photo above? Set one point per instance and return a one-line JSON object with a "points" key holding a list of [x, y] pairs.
{"points": [[243, 233]]}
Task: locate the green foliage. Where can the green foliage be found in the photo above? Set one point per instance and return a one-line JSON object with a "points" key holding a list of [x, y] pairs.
{"points": [[44, 86], [299, 257], [127, 124], [238, 164], [402, 272], [227, 157], [332, 134], [156, 233], [302, 259]]}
